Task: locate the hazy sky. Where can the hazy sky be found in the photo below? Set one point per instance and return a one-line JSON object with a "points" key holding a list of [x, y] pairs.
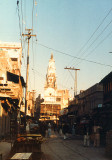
{"points": [[66, 28]]}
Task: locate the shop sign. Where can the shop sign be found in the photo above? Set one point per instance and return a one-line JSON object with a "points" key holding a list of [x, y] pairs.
{"points": [[99, 105]]}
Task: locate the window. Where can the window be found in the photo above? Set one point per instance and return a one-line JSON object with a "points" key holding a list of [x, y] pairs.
{"points": [[58, 99], [14, 59]]}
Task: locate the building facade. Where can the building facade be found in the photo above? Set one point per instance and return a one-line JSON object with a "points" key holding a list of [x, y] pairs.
{"points": [[54, 99], [90, 99], [10, 70], [11, 83], [31, 103], [107, 87], [80, 110]]}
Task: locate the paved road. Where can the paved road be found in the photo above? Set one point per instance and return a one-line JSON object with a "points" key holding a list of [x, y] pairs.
{"points": [[56, 148], [5, 148]]}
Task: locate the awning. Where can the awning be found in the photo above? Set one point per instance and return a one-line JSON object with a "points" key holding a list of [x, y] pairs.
{"points": [[9, 103], [15, 78]]}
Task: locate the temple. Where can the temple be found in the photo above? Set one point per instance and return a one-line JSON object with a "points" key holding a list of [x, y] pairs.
{"points": [[54, 100]]}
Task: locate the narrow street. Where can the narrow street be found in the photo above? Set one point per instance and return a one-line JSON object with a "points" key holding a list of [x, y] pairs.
{"points": [[56, 148], [56, 80], [5, 148]]}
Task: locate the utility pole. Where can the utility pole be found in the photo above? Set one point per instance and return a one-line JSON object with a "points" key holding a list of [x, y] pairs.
{"points": [[75, 83], [28, 35]]}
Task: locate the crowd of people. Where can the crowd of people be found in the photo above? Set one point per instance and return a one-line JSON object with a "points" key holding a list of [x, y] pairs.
{"points": [[91, 135], [44, 128]]}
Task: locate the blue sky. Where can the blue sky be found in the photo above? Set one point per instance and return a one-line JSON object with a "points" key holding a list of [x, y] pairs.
{"points": [[63, 25]]}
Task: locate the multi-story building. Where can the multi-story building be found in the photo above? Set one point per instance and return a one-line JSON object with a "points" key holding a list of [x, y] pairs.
{"points": [[11, 82], [107, 87], [31, 103], [90, 99], [38, 102], [10, 70], [106, 111], [54, 99], [92, 107], [81, 108]]}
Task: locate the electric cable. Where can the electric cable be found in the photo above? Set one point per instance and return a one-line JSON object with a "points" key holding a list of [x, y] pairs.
{"points": [[32, 44], [43, 77], [66, 79], [32, 15], [22, 15], [96, 29], [97, 37], [19, 20], [60, 52], [25, 13], [94, 32], [71, 75], [109, 34]]}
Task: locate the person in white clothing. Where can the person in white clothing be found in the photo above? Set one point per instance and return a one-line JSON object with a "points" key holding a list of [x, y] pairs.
{"points": [[49, 130]]}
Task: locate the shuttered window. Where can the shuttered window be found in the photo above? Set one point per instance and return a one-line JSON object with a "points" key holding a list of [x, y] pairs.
{"points": [[1, 78]]}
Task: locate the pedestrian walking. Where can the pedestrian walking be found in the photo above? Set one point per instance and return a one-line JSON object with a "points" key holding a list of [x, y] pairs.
{"points": [[27, 127], [86, 137], [96, 130], [65, 130], [54, 127], [49, 130], [73, 130], [43, 129], [60, 130]]}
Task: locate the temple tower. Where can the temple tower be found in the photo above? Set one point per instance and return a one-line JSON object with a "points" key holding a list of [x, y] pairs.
{"points": [[54, 99], [51, 85], [51, 74]]}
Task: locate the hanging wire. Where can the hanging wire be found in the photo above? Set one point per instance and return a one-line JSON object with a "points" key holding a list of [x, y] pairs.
{"points": [[109, 34], [96, 38], [19, 20], [60, 52], [79, 52]]}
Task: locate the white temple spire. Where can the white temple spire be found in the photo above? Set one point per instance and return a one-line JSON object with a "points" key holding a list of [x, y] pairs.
{"points": [[51, 75]]}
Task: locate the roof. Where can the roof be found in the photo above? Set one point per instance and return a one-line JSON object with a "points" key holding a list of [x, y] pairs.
{"points": [[10, 45], [107, 78]]}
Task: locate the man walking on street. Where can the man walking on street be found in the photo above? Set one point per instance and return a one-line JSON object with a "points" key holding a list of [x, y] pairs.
{"points": [[86, 136], [65, 130]]}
